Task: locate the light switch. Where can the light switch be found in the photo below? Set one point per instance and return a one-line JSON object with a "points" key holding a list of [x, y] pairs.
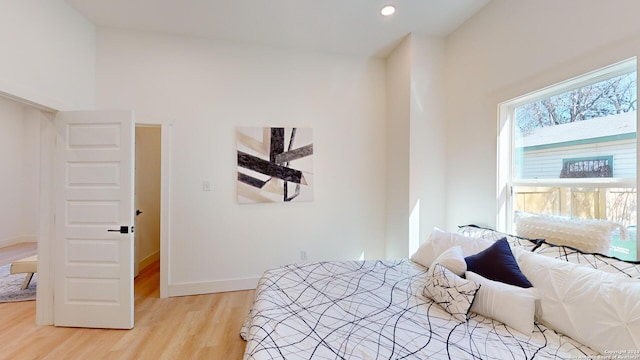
{"points": [[206, 186]]}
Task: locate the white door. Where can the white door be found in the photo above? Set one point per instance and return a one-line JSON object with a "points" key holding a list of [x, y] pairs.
{"points": [[93, 186]]}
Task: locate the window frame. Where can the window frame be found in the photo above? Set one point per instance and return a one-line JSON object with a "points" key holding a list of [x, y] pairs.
{"points": [[506, 150]]}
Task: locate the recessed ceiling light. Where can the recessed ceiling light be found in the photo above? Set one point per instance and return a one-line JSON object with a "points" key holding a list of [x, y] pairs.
{"points": [[388, 10]]}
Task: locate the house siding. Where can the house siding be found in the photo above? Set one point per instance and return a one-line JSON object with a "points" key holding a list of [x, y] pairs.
{"points": [[547, 163]]}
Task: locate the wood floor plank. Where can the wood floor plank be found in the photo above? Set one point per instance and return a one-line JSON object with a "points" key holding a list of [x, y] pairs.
{"points": [[189, 327]]}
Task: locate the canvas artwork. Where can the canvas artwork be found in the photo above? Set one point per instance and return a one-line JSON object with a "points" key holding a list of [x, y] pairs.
{"points": [[275, 164]]}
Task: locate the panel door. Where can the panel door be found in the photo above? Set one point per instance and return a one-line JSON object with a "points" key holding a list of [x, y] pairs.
{"points": [[93, 185]]}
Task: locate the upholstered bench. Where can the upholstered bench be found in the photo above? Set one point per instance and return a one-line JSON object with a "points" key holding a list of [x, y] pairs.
{"points": [[27, 265]]}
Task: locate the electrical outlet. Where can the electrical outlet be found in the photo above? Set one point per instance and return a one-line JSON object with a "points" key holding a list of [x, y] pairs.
{"points": [[303, 255], [206, 186]]}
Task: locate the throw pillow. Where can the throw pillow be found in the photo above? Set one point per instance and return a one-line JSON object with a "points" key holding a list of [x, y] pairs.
{"points": [[453, 293], [593, 236], [591, 306], [497, 263], [439, 241], [476, 231], [452, 259], [511, 305]]}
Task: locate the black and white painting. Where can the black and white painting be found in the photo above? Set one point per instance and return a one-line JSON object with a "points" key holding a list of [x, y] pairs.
{"points": [[275, 164]]}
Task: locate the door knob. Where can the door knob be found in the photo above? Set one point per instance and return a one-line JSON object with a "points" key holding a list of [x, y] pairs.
{"points": [[138, 212], [122, 230]]}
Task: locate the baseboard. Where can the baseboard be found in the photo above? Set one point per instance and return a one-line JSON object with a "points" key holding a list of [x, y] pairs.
{"points": [[208, 287], [17, 240], [149, 260]]}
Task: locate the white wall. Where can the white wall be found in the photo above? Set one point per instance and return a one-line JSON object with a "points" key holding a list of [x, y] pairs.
{"points": [[210, 88], [508, 49], [398, 125], [19, 172], [427, 138], [48, 54], [415, 143], [31, 172]]}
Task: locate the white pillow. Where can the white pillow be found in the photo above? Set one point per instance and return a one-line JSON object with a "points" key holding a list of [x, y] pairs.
{"points": [[453, 293], [452, 259], [512, 305], [593, 236], [598, 309], [439, 241]]}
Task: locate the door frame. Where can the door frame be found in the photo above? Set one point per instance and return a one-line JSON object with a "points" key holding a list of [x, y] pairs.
{"points": [[45, 293]]}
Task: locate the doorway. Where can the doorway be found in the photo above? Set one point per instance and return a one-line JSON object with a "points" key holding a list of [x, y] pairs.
{"points": [[45, 303], [148, 140], [19, 158], [41, 139]]}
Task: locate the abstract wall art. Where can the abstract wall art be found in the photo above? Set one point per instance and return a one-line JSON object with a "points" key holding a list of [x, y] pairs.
{"points": [[275, 164]]}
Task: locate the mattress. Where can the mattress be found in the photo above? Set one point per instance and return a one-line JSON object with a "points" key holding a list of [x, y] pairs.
{"points": [[376, 310]]}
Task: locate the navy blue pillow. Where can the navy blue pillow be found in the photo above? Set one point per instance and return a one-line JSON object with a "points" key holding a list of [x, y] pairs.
{"points": [[497, 263]]}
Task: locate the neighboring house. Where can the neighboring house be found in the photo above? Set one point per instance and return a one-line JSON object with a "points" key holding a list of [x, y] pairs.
{"points": [[601, 147]]}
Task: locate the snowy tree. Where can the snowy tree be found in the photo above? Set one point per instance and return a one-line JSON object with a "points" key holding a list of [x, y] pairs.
{"points": [[608, 97]]}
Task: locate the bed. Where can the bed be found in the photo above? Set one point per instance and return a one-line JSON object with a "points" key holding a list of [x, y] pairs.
{"points": [[378, 310]]}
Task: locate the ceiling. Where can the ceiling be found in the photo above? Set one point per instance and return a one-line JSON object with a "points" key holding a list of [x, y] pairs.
{"points": [[337, 26]]}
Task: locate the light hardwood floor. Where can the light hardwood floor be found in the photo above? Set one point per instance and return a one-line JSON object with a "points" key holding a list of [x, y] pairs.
{"points": [[190, 327]]}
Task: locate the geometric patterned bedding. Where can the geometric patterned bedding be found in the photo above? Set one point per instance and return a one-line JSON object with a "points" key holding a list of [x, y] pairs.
{"points": [[628, 269], [376, 310]]}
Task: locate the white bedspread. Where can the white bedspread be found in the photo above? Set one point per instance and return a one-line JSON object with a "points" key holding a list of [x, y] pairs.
{"points": [[375, 310]]}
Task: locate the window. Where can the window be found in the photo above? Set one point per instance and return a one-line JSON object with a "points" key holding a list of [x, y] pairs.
{"points": [[570, 149]]}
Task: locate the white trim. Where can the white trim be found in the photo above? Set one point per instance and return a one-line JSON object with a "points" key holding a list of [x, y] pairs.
{"points": [[32, 98], [44, 295], [592, 77], [504, 163], [576, 182], [208, 287]]}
